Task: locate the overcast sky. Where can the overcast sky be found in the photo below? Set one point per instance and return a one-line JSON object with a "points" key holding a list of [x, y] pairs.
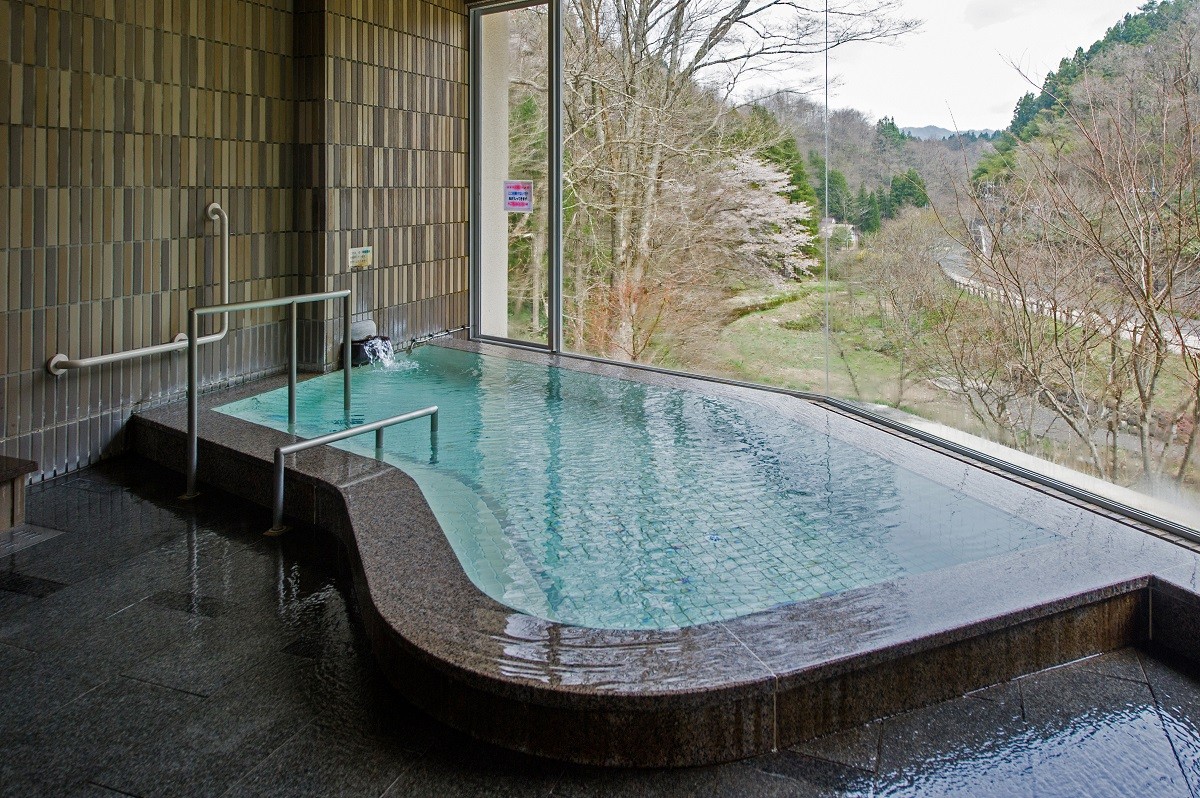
{"points": [[957, 70]]}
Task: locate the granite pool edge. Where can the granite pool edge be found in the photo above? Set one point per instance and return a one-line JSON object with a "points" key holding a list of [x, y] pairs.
{"points": [[699, 708], [426, 659]]}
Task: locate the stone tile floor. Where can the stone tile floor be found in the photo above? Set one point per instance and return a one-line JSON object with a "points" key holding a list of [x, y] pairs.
{"points": [[160, 649]]}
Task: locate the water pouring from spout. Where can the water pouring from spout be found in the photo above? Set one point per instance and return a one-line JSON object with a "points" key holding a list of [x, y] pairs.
{"points": [[381, 352]]}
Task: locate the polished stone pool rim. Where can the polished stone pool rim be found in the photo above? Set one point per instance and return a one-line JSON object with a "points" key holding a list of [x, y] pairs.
{"points": [[708, 693]]}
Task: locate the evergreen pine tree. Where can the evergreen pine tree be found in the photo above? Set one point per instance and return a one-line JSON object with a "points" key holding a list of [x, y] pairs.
{"points": [[909, 189], [883, 200], [872, 219]]}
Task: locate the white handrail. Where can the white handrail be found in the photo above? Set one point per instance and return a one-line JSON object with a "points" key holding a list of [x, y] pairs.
{"points": [[61, 363]]}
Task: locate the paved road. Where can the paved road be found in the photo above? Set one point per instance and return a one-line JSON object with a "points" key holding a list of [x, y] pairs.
{"points": [[956, 266]]}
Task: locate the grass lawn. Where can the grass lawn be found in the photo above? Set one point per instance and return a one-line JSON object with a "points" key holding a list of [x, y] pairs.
{"points": [[785, 345]]}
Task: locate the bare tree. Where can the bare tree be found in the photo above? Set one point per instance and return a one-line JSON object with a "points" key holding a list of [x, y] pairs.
{"points": [[1025, 342], [899, 270], [649, 87], [1087, 255]]}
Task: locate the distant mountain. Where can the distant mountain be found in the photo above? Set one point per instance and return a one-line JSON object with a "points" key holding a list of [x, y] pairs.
{"points": [[935, 133]]}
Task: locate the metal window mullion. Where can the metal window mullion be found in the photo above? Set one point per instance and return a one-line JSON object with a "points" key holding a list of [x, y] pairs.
{"points": [[553, 168], [555, 176]]}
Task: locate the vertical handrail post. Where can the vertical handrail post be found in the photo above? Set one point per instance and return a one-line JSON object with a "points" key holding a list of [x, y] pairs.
{"points": [[193, 441], [379, 444], [277, 500], [347, 304], [433, 436], [218, 215], [293, 356]]}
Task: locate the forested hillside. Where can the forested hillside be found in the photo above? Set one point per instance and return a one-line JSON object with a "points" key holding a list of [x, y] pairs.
{"points": [[1152, 20], [1068, 325], [876, 169], [1036, 110]]}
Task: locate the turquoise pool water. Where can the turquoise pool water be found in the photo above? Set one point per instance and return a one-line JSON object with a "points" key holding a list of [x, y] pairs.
{"points": [[614, 504]]}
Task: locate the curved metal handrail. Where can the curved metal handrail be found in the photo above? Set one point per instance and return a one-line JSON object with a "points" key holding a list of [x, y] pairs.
{"points": [[193, 361], [377, 427], [60, 363]]}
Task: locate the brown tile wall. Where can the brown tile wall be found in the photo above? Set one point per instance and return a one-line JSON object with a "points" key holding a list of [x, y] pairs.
{"points": [[384, 121], [120, 120]]}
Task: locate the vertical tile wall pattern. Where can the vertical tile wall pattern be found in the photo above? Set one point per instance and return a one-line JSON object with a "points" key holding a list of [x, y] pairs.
{"points": [[384, 121], [123, 119], [120, 120]]}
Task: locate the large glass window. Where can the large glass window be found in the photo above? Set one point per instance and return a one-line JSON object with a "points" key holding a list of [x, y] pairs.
{"points": [[1023, 282]]}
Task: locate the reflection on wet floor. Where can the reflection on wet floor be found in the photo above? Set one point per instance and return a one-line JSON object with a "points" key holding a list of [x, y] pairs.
{"points": [[157, 649]]}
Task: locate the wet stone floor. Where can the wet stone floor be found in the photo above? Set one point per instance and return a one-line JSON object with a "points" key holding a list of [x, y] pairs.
{"points": [[154, 648]]}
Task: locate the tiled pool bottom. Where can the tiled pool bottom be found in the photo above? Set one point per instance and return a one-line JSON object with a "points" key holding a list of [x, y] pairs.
{"points": [[613, 503], [717, 691], [152, 649]]}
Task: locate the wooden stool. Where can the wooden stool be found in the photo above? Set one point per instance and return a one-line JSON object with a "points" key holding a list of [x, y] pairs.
{"points": [[12, 490]]}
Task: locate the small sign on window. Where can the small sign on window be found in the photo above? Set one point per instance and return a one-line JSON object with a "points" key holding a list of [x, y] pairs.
{"points": [[518, 196]]}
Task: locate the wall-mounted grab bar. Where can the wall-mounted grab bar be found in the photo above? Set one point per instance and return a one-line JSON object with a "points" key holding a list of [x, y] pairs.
{"points": [[378, 427], [61, 363], [193, 348]]}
